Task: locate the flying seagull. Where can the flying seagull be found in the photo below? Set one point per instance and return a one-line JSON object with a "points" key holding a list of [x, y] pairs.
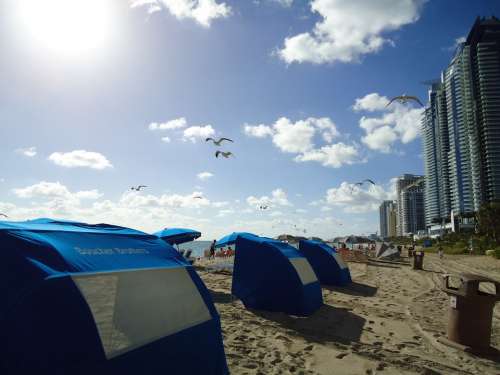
{"points": [[138, 188], [225, 154], [404, 99], [3, 215], [361, 183], [219, 142], [197, 197], [264, 207]]}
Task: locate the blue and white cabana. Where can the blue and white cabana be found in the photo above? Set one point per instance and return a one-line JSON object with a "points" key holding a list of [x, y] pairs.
{"points": [[274, 276], [101, 299], [326, 263]]}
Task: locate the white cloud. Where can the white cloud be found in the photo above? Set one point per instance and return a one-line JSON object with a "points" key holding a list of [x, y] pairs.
{"points": [[225, 212], [258, 131], [334, 156], [166, 139], [202, 11], [198, 132], [80, 158], [177, 123], [55, 190], [349, 29], [299, 138], [355, 199], [28, 151], [398, 122], [204, 175], [371, 102], [278, 198], [220, 204], [456, 43]]}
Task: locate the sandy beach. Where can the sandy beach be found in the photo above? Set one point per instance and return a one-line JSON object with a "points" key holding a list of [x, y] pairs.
{"points": [[386, 322]]}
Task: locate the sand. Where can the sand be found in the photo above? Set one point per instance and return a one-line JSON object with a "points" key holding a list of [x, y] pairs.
{"points": [[387, 322]]}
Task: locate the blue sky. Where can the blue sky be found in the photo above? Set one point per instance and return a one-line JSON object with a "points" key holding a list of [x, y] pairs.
{"points": [[300, 86]]}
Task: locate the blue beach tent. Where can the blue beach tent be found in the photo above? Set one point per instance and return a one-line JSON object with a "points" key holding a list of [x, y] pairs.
{"points": [[326, 263], [230, 239], [272, 275], [101, 299], [176, 236]]}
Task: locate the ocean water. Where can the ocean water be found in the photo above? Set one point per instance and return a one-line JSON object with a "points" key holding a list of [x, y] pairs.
{"points": [[198, 247]]}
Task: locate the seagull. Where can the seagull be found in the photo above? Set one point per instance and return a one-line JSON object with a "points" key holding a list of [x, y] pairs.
{"points": [[3, 215], [361, 183], [404, 99], [219, 142], [198, 197], [138, 188], [264, 207], [225, 154]]}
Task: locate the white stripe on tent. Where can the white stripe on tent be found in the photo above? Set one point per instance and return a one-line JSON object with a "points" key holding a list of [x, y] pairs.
{"points": [[339, 260], [132, 309], [304, 270]]}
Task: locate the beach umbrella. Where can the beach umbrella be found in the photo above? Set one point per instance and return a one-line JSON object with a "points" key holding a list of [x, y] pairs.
{"points": [[231, 238], [176, 236]]}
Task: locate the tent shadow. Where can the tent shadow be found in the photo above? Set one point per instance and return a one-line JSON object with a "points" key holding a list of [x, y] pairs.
{"points": [[328, 324], [379, 264], [353, 289], [221, 297]]}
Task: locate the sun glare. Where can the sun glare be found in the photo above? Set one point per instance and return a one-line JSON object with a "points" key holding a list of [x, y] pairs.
{"points": [[67, 27]]}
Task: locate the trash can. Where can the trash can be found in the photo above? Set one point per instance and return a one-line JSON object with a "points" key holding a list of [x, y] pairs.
{"points": [[470, 310], [418, 260]]}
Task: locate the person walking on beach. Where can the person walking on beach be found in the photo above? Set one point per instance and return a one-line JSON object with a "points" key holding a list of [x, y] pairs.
{"points": [[212, 250], [440, 252]]}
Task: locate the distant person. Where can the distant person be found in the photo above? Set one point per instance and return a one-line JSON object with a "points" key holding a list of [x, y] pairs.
{"points": [[212, 249], [440, 252]]}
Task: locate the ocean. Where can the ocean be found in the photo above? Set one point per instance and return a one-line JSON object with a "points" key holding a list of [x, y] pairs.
{"points": [[197, 246]]}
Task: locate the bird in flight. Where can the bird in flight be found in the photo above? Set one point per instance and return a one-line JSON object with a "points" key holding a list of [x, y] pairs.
{"points": [[197, 197], [138, 188], [361, 183], [3, 215], [264, 207], [218, 142], [225, 154], [404, 99]]}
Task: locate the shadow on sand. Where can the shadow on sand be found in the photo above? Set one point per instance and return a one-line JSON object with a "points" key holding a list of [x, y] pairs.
{"points": [[353, 289], [374, 263], [221, 297], [328, 324]]}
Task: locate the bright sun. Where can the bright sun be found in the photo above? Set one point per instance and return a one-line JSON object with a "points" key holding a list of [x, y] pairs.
{"points": [[67, 27]]}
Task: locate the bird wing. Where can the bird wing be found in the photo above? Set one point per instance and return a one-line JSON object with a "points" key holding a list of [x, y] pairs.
{"points": [[415, 99], [3, 215], [370, 181], [393, 100], [142, 186], [226, 139], [209, 139], [217, 153]]}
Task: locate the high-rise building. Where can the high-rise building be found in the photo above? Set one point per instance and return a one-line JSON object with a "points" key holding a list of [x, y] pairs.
{"points": [[461, 128], [412, 207], [388, 219], [401, 183], [436, 149], [483, 48]]}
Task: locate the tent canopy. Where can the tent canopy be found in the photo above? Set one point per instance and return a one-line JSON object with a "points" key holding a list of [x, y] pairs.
{"points": [[326, 263], [230, 239], [274, 276], [108, 299], [176, 236]]}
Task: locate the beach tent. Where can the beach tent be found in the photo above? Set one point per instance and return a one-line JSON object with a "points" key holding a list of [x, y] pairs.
{"points": [[326, 263], [230, 239], [274, 276], [386, 251], [176, 236], [101, 299]]}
